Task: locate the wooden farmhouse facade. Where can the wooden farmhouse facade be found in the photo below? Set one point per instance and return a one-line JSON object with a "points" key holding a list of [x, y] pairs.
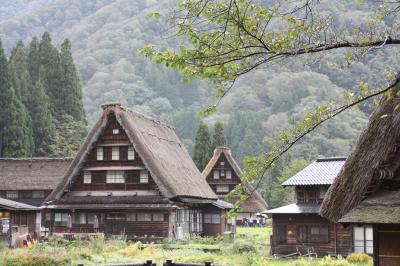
{"points": [[132, 176], [367, 189], [298, 227], [223, 175]]}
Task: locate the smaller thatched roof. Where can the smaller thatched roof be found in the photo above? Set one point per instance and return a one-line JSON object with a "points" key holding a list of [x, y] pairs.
{"points": [[16, 206], [381, 208], [255, 203], [162, 153], [32, 173], [321, 172], [373, 159]]}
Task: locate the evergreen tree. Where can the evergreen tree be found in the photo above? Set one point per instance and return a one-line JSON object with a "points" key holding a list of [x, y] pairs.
{"points": [[15, 124], [20, 77], [49, 60], [202, 150], [70, 99], [33, 60], [219, 138], [44, 130], [69, 136]]}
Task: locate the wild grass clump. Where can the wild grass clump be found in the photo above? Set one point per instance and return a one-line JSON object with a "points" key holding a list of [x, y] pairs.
{"points": [[359, 258], [97, 243], [37, 259], [131, 251], [55, 241], [326, 261]]}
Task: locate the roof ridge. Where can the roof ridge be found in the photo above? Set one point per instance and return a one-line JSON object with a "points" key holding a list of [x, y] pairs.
{"points": [[35, 158], [331, 159]]}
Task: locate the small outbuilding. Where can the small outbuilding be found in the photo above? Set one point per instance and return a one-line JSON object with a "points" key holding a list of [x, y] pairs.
{"points": [[18, 220]]}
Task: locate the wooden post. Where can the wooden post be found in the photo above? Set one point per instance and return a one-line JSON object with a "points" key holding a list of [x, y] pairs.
{"points": [[168, 263]]}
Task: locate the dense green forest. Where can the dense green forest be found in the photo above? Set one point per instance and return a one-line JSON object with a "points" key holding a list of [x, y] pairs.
{"points": [[105, 36], [41, 100]]}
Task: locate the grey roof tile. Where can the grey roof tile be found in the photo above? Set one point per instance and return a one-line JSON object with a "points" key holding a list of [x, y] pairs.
{"points": [[296, 208], [320, 172]]}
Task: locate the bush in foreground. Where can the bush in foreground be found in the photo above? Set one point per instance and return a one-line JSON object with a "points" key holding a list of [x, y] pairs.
{"points": [[359, 258]]}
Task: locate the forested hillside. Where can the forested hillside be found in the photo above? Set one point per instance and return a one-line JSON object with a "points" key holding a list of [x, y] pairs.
{"points": [[105, 36]]}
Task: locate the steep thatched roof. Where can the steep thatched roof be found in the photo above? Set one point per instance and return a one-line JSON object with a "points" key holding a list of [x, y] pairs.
{"points": [[255, 203], [162, 153], [373, 159], [32, 173]]}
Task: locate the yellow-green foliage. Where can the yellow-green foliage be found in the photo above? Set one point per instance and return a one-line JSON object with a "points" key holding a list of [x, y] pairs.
{"points": [[359, 258], [130, 251], [29, 259], [326, 261]]}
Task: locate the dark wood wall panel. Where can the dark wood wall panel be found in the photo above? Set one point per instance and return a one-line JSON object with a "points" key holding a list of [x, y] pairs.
{"points": [[340, 238]]}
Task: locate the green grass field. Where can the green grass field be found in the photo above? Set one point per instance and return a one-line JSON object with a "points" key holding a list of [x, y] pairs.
{"points": [[249, 248]]}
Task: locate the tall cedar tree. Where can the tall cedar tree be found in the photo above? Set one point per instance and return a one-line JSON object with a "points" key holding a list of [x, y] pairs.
{"points": [[15, 124], [71, 92], [49, 60], [44, 129], [202, 150], [219, 138], [19, 73], [33, 60]]}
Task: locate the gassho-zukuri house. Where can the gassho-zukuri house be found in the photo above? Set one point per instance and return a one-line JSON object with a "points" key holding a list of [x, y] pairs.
{"points": [[367, 189], [132, 176], [223, 175], [298, 227]]}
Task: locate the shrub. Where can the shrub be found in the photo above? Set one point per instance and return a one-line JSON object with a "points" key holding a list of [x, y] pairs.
{"points": [[58, 242], [359, 258], [329, 261], [130, 251]]}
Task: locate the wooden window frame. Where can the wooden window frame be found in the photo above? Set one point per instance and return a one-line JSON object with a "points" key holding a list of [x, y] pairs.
{"points": [[212, 218], [215, 174], [63, 221], [144, 177], [131, 153], [230, 174], [87, 178], [36, 196], [223, 190], [364, 240], [13, 192], [143, 217], [316, 238], [158, 217], [280, 233], [100, 153], [115, 153], [114, 177]]}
